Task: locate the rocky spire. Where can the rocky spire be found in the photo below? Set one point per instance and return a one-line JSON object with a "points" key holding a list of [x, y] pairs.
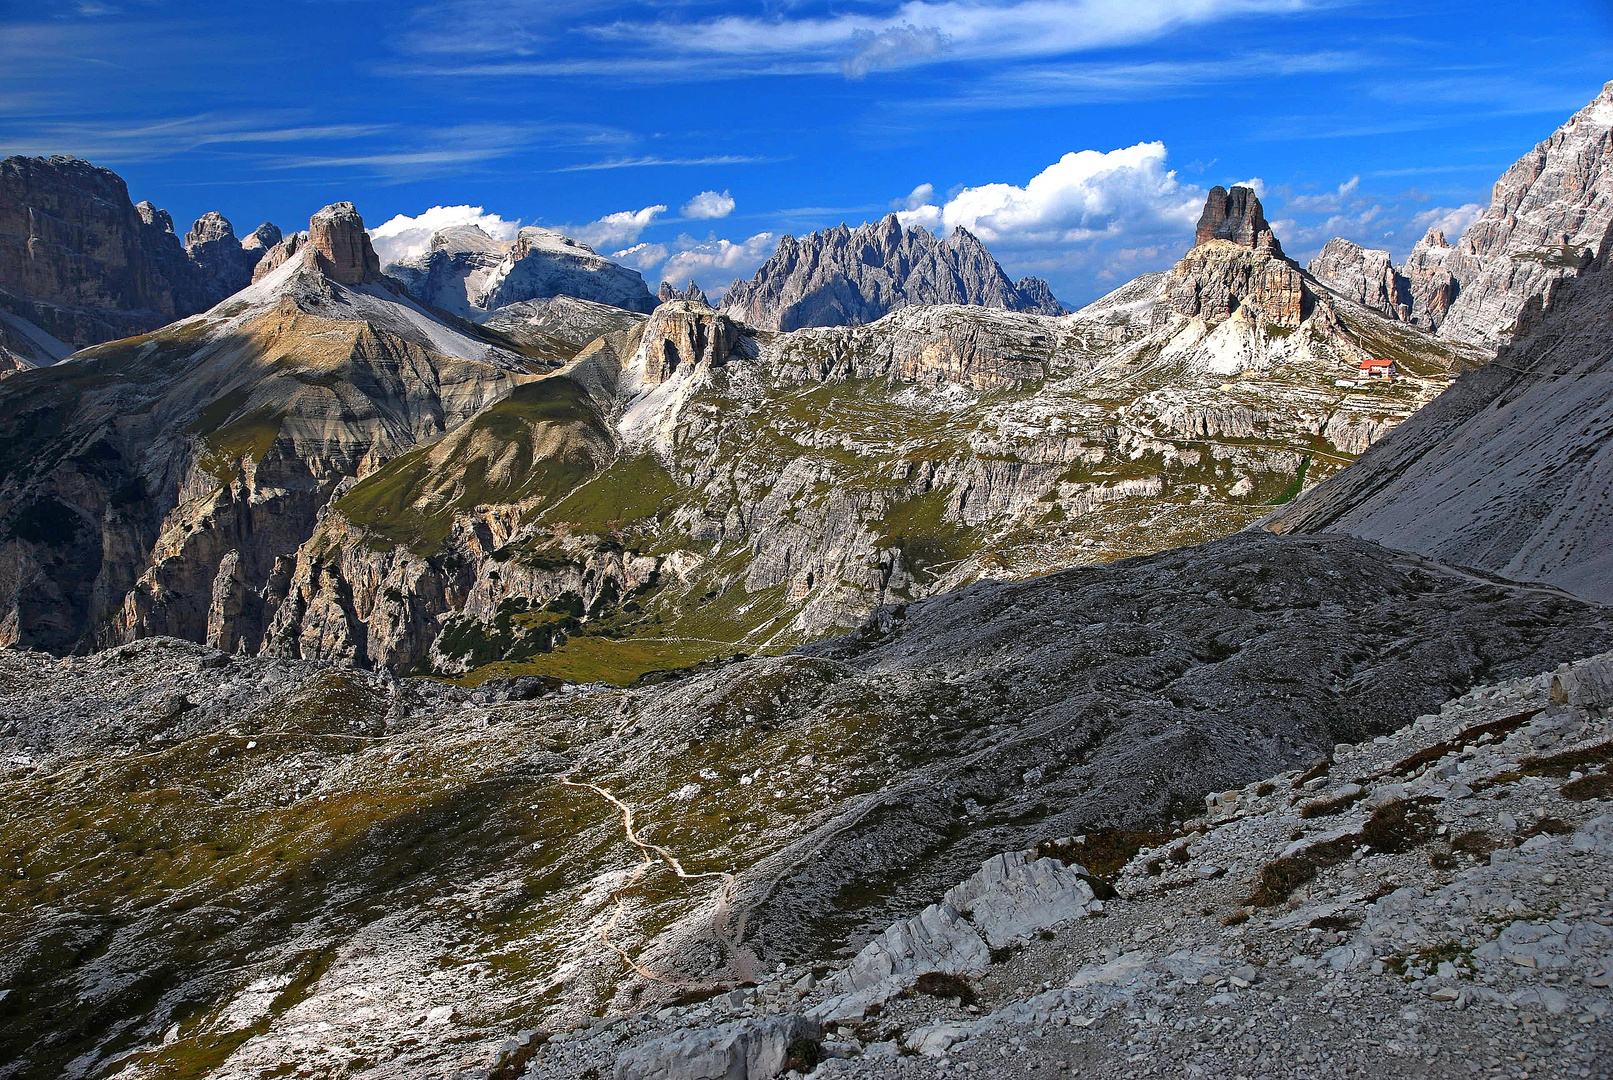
{"points": [[337, 235], [209, 227], [692, 292], [1236, 216]]}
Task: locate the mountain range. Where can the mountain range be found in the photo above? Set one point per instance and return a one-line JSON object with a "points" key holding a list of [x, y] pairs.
{"points": [[948, 690], [846, 277]]}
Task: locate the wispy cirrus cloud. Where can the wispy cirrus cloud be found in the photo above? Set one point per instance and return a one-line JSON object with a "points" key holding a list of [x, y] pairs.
{"points": [[925, 31], [650, 161], [482, 37]]}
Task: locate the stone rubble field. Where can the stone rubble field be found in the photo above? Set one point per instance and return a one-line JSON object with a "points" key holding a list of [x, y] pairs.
{"points": [[1429, 903]]}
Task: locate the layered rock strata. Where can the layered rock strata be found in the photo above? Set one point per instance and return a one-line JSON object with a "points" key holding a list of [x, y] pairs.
{"points": [[85, 265]]}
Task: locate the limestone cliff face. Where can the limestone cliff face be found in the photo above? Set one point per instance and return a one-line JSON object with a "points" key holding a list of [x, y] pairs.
{"points": [[337, 234], [1430, 286], [1236, 267], [453, 271], [1508, 470], [1546, 222], [85, 265], [1237, 217], [1368, 277], [846, 277], [471, 274], [153, 486], [224, 262]]}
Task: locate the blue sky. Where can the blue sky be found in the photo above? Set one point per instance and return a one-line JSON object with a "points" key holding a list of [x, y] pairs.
{"points": [[1076, 136]]}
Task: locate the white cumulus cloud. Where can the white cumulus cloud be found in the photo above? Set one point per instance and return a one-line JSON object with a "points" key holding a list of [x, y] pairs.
{"points": [[709, 205], [712, 263], [622, 227], [403, 237], [1452, 221], [1084, 196]]}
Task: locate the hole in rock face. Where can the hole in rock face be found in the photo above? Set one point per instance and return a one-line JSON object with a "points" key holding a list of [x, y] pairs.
{"points": [[810, 579], [670, 359]]}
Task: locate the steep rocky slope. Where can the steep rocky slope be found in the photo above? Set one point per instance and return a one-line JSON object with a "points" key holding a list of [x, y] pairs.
{"points": [[1546, 222], [846, 277], [224, 866], [1547, 219], [1510, 469], [1433, 902], [153, 484], [469, 273], [83, 264]]}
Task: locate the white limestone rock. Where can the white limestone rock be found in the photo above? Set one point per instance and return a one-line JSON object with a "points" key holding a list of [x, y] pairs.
{"points": [[744, 1050]]}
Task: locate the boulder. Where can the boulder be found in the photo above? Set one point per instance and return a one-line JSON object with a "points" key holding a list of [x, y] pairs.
{"points": [[1013, 896], [756, 1049]]}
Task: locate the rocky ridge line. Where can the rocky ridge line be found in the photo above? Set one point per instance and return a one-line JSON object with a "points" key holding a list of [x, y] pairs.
{"points": [[83, 264], [847, 277]]}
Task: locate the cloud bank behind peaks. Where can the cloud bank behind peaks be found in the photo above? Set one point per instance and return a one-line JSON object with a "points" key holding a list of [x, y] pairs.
{"points": [[614, 230], [404, 237], [1086, 195]]}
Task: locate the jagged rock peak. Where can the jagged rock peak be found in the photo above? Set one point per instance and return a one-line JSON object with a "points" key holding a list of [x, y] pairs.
{"points": [[1546, 221], [209, 227], [1434, 238], [1364, 275], [286, 248], [337, 234], [692, 292], [154, 216], [848, 277], [1237, 216], [262, 238], [1039, 294]]}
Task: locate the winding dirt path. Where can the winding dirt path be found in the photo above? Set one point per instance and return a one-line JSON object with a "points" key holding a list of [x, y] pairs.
{"points": [[741, 960]]}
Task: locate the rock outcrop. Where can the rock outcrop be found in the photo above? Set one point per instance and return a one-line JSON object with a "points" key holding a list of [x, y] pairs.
{"points": [[83, 264], [1236, 266], [846, 277], [224, 262], [1430, 287], [279, 254], [1237, 217], [692, 292], [453, 271], [468, 272], [686, 334], [1508, 470], [337, 234], [1369, 278], [1547, 220], [543, 263]]}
